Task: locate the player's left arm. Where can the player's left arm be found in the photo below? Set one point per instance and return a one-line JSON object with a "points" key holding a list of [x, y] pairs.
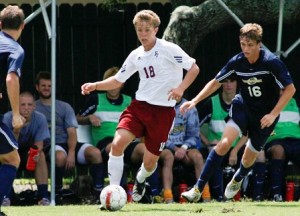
{"points": [[189, 78], [287, 94]]}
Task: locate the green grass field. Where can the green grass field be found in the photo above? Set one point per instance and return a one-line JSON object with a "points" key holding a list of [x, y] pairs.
{"points": [[243, 208]]}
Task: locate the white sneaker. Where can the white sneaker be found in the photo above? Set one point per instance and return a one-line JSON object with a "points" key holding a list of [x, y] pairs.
{"points": [[193, 195], [232, 189]]}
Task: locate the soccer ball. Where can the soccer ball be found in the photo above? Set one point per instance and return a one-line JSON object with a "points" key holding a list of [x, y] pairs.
{"points": [[113, 197]]}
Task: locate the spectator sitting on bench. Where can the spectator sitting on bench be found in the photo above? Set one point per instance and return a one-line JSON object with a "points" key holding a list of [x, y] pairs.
{"points": [[33, 133], [68, 151]]}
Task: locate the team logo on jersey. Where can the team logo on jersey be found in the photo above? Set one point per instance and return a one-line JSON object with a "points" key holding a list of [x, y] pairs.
{"points": [[123, 68], [178, 59], [252, 81], [156, 54], [162, 146]]}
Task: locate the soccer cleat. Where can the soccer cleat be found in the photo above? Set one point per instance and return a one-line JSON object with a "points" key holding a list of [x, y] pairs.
{"points": [[193, 195], [44, 202], [232, 188], [6, 202], [139, 190]]}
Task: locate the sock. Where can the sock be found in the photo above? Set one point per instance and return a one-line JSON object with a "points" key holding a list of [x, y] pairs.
{"points": [[7, 176], [276, 172], [42, 191], [213, 161], [258, 179], [216, 184], [115, 166], [143, 173], [241, 173], [97, 173], [59, 175], [168, 195], [154, 182]]}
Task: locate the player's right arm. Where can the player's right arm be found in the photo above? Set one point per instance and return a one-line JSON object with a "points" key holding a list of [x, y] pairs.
{"points": [[208, 89], [13, 91], [107, 84]]}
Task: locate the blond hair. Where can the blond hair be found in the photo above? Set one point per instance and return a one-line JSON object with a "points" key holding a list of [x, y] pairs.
{"points": [[252, 31], [12, 17], [147, 15], [110, 72]]}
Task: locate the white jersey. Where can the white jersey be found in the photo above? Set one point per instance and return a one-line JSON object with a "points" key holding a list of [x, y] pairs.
{"points": [[160, 70]]}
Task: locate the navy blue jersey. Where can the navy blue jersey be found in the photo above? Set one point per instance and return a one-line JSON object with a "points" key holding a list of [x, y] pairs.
{"points": [[11, 55], [11, 59], [259, 83]]}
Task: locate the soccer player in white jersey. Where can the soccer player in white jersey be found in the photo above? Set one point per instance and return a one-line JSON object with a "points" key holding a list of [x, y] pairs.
{"points": [[160, 66]]}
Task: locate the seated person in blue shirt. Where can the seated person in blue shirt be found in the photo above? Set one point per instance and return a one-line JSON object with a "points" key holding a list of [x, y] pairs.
{"points": [[33, 133], [68, 150]]}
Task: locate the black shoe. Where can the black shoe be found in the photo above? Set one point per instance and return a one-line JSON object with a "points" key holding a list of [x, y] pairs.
{"points": [[139, 190], [3, 214]]}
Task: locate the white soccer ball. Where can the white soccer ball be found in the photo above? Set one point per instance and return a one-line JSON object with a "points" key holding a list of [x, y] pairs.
{"points": [[113, 197]]}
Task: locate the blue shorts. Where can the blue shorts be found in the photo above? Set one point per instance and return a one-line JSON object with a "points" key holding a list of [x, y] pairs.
{"points": [[8, 141], [249, 123], [291, 148]]}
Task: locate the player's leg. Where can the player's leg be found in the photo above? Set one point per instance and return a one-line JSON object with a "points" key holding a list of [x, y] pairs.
{"points": [[89, 154], [147, 168], [277, 155], [41, 179], [60, 162], [9, 161], [115, 166], [258, 174], [166, 161], [213, 161]]}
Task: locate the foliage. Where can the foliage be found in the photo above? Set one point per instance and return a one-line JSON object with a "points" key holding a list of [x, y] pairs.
{"points": [[111, 5]]}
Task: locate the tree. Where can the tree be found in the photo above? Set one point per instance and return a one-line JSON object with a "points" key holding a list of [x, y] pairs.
{"points": [[189, 25]]}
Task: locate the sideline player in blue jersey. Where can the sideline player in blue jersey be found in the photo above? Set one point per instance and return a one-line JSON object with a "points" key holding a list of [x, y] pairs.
{"points": [[254, 111], [11, 59]]}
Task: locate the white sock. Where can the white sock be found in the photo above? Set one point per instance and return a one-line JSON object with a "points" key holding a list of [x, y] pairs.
{"points": [[115, 166], [143, 173]]}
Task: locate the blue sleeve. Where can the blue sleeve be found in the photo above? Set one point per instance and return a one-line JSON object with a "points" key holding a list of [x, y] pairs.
{"points": [[42, 132], [280, 71], [192, 129], [70, 118], [7, 120]]}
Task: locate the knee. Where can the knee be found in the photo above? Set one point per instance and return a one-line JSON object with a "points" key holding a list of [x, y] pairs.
{"points": [[223, 146], [60, 158], [277, 152], [11, 158], [93, 155]]}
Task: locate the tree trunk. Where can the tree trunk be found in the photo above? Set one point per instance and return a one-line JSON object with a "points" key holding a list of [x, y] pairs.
{"points": [[189, 25]]}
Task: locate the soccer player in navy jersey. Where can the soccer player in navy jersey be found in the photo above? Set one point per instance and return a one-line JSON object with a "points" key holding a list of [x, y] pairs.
{"points": [[254, 111], [11, 59], [160, 66]]}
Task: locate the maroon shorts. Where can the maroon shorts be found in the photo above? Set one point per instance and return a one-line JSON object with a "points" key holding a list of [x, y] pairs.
{"points": [[149, 121]]}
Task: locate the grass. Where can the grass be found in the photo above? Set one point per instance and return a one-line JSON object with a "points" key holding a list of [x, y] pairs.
{"points": [[244, 208]]}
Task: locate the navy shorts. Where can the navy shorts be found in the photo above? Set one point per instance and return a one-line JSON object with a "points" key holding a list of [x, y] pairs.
{"points": [[291, 148], [7, 140], [249, 123]]}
